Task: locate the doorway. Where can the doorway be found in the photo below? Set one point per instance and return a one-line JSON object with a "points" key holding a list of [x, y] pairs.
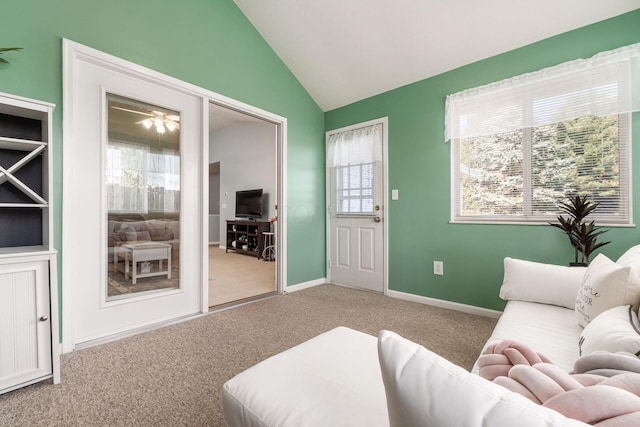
{"points": [[242, 206], [357, 231]]}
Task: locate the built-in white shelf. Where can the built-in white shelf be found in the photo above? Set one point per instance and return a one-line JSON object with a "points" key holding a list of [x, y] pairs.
{"points": [[28, 266]]}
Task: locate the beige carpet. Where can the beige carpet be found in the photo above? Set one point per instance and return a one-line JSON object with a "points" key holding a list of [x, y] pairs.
{"points": [[234, 276], [173, 376]]}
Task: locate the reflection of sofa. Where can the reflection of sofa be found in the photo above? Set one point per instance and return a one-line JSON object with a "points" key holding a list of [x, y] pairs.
{"points": [[344, 377], [150, 230]]}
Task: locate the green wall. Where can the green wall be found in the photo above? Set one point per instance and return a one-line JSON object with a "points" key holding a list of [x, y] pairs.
{"points": [[209, 43], [419, 166]]}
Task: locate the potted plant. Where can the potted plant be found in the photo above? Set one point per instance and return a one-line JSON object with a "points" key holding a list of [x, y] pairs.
{"points": [[7, 49], [582, 234]]}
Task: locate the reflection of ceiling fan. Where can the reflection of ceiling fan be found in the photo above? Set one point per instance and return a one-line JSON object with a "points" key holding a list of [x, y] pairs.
{"points": [[160, 120]]}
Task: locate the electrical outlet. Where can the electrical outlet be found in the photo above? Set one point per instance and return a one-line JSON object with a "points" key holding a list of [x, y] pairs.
{"points": [[438, 268]]}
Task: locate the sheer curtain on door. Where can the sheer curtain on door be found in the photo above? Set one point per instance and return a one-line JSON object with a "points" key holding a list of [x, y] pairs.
{"points": [[352, 157]]}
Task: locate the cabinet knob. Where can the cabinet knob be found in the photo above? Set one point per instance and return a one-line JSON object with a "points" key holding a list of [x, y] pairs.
{"points": [[44, 318]]}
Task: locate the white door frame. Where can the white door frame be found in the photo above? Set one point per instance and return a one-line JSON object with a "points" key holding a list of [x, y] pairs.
{"points": [[72, 52], [385, 197]]}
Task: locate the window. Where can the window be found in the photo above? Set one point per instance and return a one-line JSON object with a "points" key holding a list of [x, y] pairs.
{"points": [[522, 145], [142, 181], [352, 157], [355, 188]]}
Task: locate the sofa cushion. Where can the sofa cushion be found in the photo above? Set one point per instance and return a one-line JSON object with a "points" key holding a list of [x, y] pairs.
{"points": [[127, 233], [606, 285], [161, 235], [631, 258], [551, 330], [424, 389], [613, 330], [539, 282], [138, 225]]}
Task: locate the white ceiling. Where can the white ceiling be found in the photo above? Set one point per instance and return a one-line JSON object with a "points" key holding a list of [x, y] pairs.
{"points": [[221, 117], [343, 51]]}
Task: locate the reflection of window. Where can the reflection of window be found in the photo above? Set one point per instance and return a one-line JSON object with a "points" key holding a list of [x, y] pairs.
{"points": [[140, 180], [355, 188]]}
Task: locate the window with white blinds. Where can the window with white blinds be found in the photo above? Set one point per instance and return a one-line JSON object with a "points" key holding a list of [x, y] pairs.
{"points": [[354, 188], [521, 146]]}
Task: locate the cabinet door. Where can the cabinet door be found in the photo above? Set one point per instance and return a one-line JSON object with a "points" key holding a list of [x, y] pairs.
{"points": [[25, 326]]}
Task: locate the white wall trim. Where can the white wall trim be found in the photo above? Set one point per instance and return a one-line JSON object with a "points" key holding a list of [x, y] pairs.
{"points": [[471, 309], [305, 285]]}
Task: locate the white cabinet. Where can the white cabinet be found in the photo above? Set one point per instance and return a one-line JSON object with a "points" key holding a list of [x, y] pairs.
{"points": [[28, 268], [26, 350]]}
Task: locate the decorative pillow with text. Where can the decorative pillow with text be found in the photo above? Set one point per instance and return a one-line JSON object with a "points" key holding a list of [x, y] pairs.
{"points": [[606, 285]]}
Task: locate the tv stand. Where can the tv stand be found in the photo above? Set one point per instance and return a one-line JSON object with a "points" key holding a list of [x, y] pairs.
{"points": [[244, 236]]}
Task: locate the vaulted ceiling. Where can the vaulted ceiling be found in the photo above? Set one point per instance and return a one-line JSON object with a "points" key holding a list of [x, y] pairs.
{"points": [[343, 51]]}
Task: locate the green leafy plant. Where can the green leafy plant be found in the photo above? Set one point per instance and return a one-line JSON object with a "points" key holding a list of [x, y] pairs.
{"points": [[583, 235], [7, 49]]}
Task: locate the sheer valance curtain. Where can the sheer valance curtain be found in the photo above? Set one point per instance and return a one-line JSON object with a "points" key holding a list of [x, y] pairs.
{"points": [[355, 146], [605, 84]]}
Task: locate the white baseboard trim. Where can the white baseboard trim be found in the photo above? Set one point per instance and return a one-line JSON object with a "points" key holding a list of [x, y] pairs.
{"points": [[136, 331], [494, 314], [305, 285]]}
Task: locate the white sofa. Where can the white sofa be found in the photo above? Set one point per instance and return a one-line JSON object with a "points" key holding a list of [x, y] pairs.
{"points": [[346, 378]]}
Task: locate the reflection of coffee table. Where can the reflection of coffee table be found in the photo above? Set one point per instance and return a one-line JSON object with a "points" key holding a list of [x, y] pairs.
{"points": [[141, 252]]}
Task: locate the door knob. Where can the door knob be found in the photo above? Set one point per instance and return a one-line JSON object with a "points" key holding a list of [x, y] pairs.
{"points": [[44, 318], [376, 219]]}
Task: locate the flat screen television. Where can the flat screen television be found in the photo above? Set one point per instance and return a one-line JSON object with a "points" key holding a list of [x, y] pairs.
{"points": [[249, 204]]}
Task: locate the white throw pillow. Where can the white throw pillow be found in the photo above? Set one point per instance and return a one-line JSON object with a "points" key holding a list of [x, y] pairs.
{"points": [[543, 283], [631, 258], [606, 285], [424, 389], [614, 330]]}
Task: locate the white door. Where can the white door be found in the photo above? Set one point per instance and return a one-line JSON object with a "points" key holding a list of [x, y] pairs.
{"points": [[355, 200], [131, 200]]}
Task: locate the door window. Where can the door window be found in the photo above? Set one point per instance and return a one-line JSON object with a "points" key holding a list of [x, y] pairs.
{"points": [[142, 179], [355, 188]]}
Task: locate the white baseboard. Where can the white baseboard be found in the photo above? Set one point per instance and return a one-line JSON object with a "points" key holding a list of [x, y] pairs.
{"points": [[494, 314], [305, 285]]}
